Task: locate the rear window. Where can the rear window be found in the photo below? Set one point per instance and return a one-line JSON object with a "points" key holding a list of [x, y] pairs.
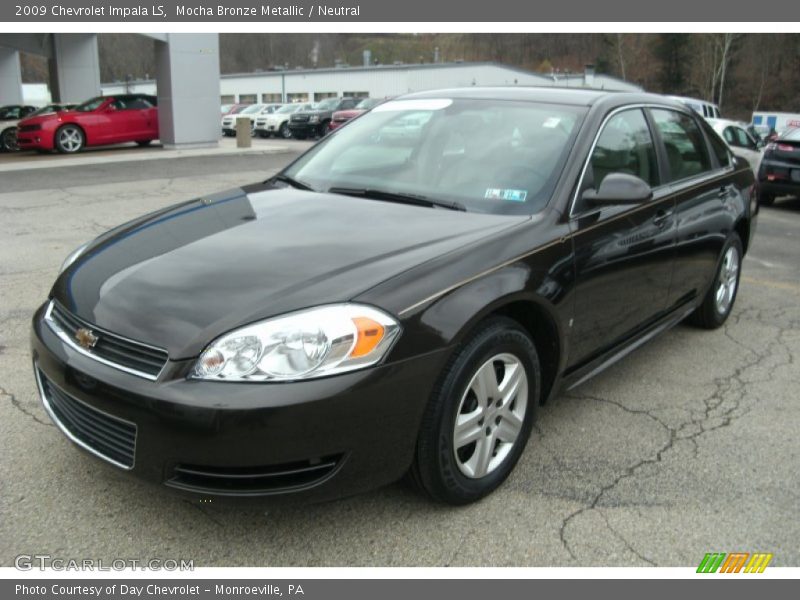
{"points": [[684, 143]]}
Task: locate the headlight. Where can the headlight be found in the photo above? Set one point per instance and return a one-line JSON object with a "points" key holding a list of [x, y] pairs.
{"points": [[73, 256], [314, 119], [301, 345]]}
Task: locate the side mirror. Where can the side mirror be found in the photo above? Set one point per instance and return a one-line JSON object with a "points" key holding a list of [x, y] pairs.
{"points": [[619, 188]]}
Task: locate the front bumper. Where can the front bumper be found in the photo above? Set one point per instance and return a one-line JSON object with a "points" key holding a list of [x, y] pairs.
{"points": [[326, 438], [305, 128]]}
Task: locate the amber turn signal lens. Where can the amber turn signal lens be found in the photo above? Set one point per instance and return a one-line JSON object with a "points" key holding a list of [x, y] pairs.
{"points": [[370, 333]]}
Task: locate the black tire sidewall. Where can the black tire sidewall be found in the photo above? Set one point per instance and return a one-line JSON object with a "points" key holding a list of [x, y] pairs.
{"points": [[3, 145], [438, 467]]}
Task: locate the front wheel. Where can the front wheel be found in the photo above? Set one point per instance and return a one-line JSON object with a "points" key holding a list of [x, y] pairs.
{"points": [[718, 302], [8, 140], [70, 139], [480, 415], [285, 132]]}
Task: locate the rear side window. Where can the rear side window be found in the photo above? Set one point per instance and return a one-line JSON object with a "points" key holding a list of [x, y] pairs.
{"points": [[625, 146], [684, 143]]}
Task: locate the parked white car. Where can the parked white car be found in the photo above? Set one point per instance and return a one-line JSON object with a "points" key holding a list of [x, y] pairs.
{"points": [[277, 123], [739, 141], [251, 113]]}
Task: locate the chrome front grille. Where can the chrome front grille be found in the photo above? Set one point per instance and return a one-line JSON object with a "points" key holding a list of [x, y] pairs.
{"points": [[110, 438], [108, 348]]}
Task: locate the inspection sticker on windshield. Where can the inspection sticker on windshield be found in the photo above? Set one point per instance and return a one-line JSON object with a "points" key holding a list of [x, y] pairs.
{"points": [[510, 195]]}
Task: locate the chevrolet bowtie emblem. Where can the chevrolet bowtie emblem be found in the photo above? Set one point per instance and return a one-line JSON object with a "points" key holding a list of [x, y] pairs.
{"points": [[86, 338]]}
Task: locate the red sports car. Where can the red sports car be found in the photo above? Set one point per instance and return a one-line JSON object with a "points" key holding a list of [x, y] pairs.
{"points": [[96, 122]]}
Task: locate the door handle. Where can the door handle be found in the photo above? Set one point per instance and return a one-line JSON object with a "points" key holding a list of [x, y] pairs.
{"points": [[661, 217]]}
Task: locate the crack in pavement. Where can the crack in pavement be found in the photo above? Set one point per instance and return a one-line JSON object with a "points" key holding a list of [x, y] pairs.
{"points": [[18, 405], [720, 408]]}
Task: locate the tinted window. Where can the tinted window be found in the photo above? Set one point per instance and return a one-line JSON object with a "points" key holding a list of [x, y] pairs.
{"points": [[11, 112], [91, 105], [684, 143], [625, 146]]}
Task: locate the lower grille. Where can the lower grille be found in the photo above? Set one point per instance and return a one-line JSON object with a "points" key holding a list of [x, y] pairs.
{"points": [[253, 481], [109, 348], [108, 437]]}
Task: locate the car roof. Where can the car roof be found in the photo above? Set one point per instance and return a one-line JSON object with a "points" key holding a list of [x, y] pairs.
{"points": [[553, 95]]}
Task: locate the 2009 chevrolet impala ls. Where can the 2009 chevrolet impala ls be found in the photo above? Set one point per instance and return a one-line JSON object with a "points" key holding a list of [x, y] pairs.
{"points": [[398, 300]]}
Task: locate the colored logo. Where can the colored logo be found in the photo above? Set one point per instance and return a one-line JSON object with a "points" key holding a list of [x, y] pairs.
{"points": [[735, 562], [86, 338]]}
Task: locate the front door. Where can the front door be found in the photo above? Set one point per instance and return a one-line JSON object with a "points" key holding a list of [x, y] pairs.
{"points": [[624, 254]]}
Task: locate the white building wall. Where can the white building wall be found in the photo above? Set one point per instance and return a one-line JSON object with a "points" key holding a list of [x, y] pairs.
{"points": [[379, 82]]}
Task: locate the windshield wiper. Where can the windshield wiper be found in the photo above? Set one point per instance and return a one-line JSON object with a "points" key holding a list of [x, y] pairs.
{"points": [[292, 182], [402, 198]]}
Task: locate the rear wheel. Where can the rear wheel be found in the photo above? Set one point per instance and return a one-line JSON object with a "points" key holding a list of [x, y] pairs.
{"points": [[8, 140], [718, 302], [480, 415], [70, 139]]}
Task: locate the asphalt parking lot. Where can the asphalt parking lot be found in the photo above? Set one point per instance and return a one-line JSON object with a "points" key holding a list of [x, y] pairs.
{"points": [[689, 445]]}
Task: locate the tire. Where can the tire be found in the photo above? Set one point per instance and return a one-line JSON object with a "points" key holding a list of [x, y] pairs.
{"points": [[69, 139], [8, 140], [143, 143], [322, 131], [462, 472], [285, 132], [766, 199], [718, 302]]}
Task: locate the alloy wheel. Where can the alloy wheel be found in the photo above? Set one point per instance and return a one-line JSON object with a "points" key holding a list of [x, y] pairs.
{"points": [[9, 140], [727, 281], [70, 139], [490, 415]]}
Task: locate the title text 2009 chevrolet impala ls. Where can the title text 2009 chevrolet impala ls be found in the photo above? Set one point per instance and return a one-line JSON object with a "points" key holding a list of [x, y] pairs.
{"points": [[400, 299]]}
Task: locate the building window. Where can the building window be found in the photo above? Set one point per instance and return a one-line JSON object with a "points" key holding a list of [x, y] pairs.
{"points": [[297, 97], [227, 99], [271, 98], [356, 94], [322, 95], [248, 98]]}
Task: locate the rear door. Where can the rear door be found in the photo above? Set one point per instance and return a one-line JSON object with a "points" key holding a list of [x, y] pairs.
{"points": [[699, 176], [623, 254]]}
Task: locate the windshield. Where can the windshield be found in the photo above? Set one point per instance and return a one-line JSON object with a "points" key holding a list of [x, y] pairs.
{"points": [[91, 105], [489, 155], [367, 103], [236, 110], [253, 109], [327, 104]]}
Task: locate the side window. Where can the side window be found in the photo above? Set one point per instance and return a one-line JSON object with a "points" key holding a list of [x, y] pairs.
{"points": [[730, 136], [625, 146], [139, 103], [744, 140], [685, 145], [120, 103]]}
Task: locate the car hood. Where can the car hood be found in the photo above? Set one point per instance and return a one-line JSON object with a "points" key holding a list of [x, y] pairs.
{"points": [[185, 275]]}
